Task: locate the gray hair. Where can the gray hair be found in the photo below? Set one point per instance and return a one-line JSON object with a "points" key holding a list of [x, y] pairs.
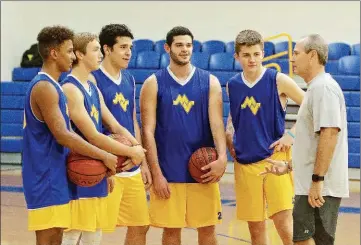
{"points": [[317, 43]]}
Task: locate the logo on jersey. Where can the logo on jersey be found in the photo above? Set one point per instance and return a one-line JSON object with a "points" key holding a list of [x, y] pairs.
{"points": [[24, 123], [119, 98], [184, 102], [94, 113], [252, 104]]}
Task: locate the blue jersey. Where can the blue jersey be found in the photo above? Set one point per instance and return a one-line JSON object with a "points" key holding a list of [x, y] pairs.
{"points": [[182, 125], [119, 98], [44, 159], [257, 116], [92, 106]]}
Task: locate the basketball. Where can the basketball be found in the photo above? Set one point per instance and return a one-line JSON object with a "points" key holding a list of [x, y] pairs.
{"points": [[85, 171], [199, 159], [125, 141]]}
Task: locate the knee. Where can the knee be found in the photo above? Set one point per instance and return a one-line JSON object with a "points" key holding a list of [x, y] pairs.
{"points": [[172, 231], [139, 229], [257, 228], [207, 230]]}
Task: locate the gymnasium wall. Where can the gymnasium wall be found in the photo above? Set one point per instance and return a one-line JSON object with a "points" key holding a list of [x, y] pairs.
{"points": [[222, 20]]}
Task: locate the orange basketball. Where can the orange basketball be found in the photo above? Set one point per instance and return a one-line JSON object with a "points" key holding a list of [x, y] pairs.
{"points": [[125, 141], [85, 171], [199, 159]]}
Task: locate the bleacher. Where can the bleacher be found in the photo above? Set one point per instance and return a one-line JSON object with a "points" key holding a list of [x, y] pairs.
{"points": [[213, 55]]}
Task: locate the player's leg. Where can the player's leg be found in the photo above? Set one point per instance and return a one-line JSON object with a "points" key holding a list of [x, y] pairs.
{"points": [[51, 236], [204, 217], [250, 201], [169, 213], [279, 196]]}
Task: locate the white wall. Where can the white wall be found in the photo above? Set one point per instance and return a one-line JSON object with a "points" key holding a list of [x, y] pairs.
{"points": [[21, 21]]}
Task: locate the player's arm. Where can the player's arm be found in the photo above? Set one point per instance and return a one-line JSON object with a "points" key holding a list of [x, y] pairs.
{"points": [[148, 107], [84, 123], [230, 131], [215, 114], [288, 87], [46, 104]]}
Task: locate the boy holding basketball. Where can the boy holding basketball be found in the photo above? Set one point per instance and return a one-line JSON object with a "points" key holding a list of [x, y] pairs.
{"points": [[87, 113], [177, 121], [127, 203], [47, 138], [258, 99]]}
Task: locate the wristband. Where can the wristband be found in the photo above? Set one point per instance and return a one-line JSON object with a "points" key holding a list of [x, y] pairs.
{"points": [[290, 133]]}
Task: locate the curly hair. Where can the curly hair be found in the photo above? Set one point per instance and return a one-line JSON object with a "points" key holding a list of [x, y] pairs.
{"points": [[52, 37], [109, 34], [248, 38]]}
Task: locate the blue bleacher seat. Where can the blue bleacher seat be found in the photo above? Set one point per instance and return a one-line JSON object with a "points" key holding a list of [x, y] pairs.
{"points": [[141, 74], [213, 46], [237, 66], [355, 49], [12, 102], [197, 46], [223, 76], [269, 49], [224, 95], [133, 60], [225, 109], [352, 98], [159, 46], [283, 63], [12, 129], [354, 160], [13, 88], [348, 83], [164, 60], [12, 116], [148, 60], [138, 88], [354, 145], [221, 62], [332, 67], [11, 145], [25, 74], [141, 45], [353, 129], [283, 46], [337, 50], [353, 114], [230, 47], [349, 65], [200, 60]]}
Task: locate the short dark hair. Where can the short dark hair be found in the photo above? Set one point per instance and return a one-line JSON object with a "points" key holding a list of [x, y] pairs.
{"points": [[177, 31], [109, 34], [52, 37]]}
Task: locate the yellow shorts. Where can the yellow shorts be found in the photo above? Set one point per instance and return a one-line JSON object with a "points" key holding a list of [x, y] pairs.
{"points": [[89, 214], [260, 197], [190, 205], [49, 217], [127, 204]]}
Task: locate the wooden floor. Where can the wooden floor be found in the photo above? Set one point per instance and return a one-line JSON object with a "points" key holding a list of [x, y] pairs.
{"points": [[231, 232]]}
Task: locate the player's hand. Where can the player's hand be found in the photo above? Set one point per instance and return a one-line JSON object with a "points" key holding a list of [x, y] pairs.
{"points": [[315, 198], [138, 154], [276, 167], [110, 181], [283, 144], [146, 176], [127, 165], [161, 187], [110, 161], [216, 170]]}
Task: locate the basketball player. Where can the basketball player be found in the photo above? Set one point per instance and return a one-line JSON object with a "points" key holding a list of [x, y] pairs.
{"points": [[46, 140], [258, 98], [87, 112], [128, 202], [176, 121]]}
